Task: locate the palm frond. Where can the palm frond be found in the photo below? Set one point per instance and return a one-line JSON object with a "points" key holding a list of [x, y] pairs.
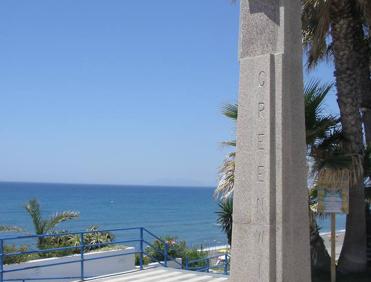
{"points": [[231, 111], [33, 209], [318, 123], [58, 218], [225, 219], [324, 124], [329, 154], [226, 178], [331, 159], [231, 143], [319, 126], [314, 94], [315, 29], [332, 163]]}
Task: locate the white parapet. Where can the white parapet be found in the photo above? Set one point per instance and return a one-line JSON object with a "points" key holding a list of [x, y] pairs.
{"points": [[120, 263]]}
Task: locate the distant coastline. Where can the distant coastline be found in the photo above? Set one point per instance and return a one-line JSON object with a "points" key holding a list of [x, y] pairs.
{"points": [[106, 184]]}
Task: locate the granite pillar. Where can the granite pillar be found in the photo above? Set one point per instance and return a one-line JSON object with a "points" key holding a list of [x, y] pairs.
{"points": [[270, 240]]}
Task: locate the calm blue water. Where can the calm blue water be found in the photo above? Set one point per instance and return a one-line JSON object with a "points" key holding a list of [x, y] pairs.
{"points": [[188, 213]]}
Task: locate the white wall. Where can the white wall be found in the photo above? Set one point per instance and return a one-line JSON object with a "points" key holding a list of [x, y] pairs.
{"points": [[92, 268], [176, 264]]}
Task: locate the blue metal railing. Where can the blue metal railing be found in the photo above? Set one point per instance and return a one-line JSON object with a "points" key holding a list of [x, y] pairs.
{"points": [[203, 264], [82, 248], [164, 253]]}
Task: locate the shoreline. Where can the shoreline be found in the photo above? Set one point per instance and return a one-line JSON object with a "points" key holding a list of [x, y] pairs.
{"points": [[326, 236]]}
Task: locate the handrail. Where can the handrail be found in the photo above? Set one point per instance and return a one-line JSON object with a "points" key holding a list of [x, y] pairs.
{"points": [[207, 267], [82, 249], [166, 248], [44, 278], [205, 258], [153, 235], [69, 248], [68, 233]]}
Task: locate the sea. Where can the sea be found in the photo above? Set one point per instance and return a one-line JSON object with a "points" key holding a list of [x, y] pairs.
{"points": [[188, 213]]}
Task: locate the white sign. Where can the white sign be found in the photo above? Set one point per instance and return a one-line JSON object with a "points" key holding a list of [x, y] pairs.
{"points": [[332, 201]]}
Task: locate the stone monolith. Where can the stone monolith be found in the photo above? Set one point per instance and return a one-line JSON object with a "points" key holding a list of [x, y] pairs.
{"points": [[270, 240]]}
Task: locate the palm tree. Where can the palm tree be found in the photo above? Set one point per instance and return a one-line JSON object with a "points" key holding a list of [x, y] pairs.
{"points": [[320, 127], [225, 217], [226, 172], [335, 29], [323, 41], [45, 226], [317, 125]]}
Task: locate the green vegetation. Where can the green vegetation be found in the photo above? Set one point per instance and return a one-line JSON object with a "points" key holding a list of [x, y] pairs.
{"points": [[67, 240], [338, 31], [176, 249], [19, 258], [146, 260], [194, 254], [45, 226], [93, 240], [321, 128], [224, 219]]}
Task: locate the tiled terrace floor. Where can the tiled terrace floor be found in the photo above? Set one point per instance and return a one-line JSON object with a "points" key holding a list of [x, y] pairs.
{"points": [[161, 274]]}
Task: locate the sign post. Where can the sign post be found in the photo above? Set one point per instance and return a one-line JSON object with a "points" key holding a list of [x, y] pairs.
{"points": [[333, 198], [333, 247]]}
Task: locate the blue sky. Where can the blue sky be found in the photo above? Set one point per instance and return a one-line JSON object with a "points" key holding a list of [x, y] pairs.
{"points": [[118, 91]]}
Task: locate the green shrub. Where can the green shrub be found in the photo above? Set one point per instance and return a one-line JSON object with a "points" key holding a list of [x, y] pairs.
{"points": [[194, 254], [60, 241], [146, 260], [73, 240], [97, 237], [19, 258], [176, 249]]}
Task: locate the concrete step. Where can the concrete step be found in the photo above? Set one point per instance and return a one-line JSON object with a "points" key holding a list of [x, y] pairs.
{"points": [[162, 274]]}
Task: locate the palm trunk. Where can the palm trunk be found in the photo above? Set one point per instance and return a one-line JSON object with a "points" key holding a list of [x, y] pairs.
{"points": [[320, 259], [362, 51], [353, 256], [366, 97], [343, 30]]}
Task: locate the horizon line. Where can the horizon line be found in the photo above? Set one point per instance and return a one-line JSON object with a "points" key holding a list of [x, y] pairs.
{"points": [[105, 184]]}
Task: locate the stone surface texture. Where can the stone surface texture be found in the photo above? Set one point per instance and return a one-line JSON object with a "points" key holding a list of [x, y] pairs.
{"points": [[270, 239], [161, 274]]}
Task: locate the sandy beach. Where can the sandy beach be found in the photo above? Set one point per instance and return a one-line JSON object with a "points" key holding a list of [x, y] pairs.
{"points": [[325, 235], [339, 241]]}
